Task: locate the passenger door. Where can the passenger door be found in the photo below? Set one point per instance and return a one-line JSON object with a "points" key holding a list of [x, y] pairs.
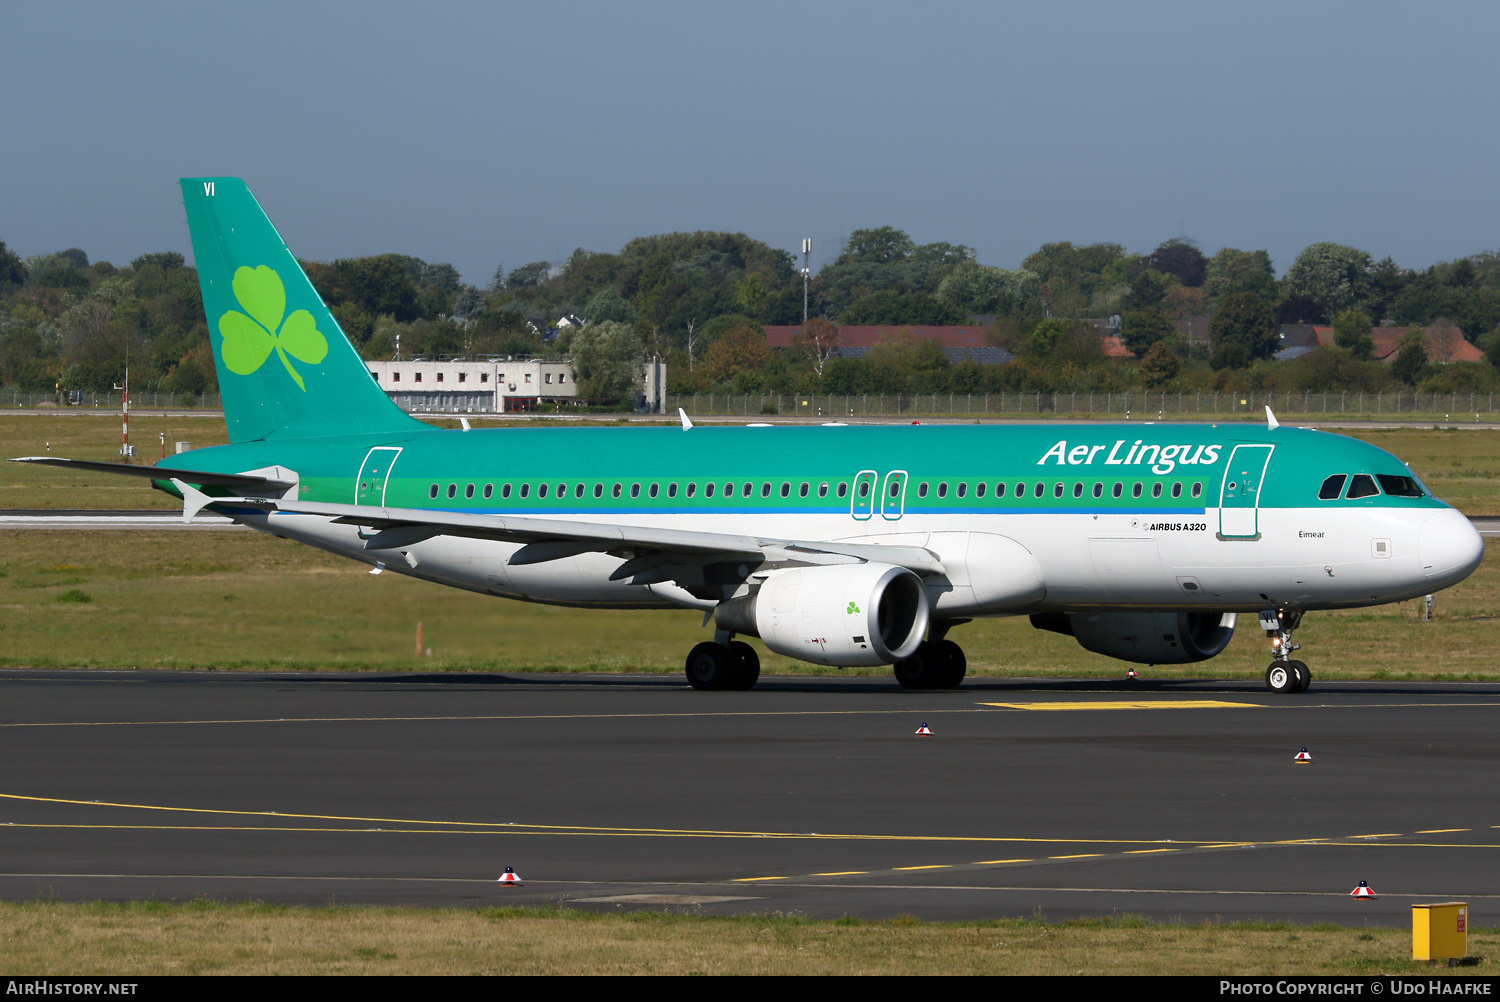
{"points": [[1239, 494], [374, 474]]}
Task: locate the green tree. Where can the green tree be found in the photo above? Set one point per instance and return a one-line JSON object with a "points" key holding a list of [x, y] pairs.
{"points": [[1351, 331], [608, 304], [1180, 259], [1244, 319], [976, 288], [528, 275], [1335, 276], [1411, 358], [1231, 271], [12, 268], [889, 307], [1140, 330], [1160, 366], [1147, 290], [607, 358]]}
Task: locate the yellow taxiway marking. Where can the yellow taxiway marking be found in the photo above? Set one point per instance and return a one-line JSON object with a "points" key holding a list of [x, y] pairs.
{"points": [[1131, 704], [1379, 835], [502, 827], [1081, 855], [1442, 831], [749, 880], [1137, 852], [844, 873], [991, 862], [931, 866]]}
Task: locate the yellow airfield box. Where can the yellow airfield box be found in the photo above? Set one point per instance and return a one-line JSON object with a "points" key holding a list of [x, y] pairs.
{"points": [[1440, 932]]}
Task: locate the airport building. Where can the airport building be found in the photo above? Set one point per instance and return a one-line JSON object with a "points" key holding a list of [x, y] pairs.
{"points": [[495, 385]]}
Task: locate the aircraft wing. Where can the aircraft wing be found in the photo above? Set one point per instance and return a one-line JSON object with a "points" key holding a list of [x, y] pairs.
{"points": [[652, 554], [243, 482]]}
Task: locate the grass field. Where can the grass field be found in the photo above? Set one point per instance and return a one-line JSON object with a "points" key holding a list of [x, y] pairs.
{"points": [[240, 600], [211, 938]]}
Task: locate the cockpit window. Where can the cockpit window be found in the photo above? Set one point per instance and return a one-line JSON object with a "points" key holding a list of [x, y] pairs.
{"points": [[1362, 486], [1332, 487], [1400, 487]]}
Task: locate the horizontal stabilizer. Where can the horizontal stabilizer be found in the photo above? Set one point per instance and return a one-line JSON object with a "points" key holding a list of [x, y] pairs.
{"points": [[201, 478]]}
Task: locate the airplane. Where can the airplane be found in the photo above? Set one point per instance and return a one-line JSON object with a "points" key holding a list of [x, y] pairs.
{"points": [[843, 545]]}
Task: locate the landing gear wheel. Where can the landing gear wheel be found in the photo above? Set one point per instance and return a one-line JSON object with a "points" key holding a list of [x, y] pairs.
{"points": [[1281, 677], [1304, 675], [954, 666], [933, 666], [711, 666], [747, 664], [917, 671]]}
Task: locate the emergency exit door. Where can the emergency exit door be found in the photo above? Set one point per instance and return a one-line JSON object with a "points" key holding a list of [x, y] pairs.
{"points": [[1239, 494]]}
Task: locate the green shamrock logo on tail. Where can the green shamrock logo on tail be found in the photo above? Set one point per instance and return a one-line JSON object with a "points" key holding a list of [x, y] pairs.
{"points": [[248, 340]]}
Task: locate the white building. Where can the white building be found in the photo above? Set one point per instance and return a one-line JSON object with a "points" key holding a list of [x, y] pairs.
{"points": [[489, 386]]}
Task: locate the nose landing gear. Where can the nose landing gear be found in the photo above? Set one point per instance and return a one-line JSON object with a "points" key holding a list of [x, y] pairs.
{"points": [[1285, 674]]}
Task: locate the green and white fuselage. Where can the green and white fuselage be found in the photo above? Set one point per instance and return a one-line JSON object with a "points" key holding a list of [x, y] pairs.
{"points": [[843, 545]]}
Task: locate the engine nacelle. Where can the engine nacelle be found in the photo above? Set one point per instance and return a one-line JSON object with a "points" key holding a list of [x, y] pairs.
{"points": [[1151, 638], [849, 615]]}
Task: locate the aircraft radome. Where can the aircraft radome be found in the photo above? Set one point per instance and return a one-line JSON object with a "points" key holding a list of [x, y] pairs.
{"points": [[838, 545]]}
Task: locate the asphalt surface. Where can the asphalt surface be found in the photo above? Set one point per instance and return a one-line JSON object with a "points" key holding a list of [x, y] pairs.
{"points": [[816, 796]]}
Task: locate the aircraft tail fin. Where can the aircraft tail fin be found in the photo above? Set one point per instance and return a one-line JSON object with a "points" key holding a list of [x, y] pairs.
{"points": [[286, 369]]}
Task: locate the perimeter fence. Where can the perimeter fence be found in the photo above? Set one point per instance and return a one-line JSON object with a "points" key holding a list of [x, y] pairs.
{"points": [[1133, 404], [85, 400]]}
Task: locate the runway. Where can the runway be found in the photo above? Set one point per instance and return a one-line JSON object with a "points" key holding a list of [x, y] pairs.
{"points": [[809, 795]]}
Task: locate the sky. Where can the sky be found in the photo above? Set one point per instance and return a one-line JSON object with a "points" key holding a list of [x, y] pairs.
{"points": [[487, 134]]}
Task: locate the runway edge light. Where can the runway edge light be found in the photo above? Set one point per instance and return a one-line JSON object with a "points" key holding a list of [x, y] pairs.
{"points": [[1131, 675], [509, 877], [1303, 758], [924, 731], [1363, 892]]}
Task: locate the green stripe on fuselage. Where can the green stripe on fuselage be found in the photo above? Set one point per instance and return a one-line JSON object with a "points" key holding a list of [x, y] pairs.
{"points": [[1050, 454]]}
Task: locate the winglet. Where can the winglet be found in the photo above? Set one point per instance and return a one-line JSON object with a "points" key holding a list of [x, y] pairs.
{"points": [[1271, 422], [193, 500], [686, 423]]}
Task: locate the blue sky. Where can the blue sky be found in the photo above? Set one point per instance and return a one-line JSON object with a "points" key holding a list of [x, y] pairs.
{"points": [[483, 134]]}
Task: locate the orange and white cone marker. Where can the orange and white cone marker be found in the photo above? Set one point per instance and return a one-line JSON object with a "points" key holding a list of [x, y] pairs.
{"points": [[1363, 892], [509, 877], [924, 731], [1303, 758]]}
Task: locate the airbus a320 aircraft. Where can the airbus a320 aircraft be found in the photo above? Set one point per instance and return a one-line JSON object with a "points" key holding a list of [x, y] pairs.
{"points": [[838, 545]]}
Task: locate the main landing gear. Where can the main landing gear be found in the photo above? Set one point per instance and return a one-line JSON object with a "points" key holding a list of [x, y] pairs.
{"points": [[1285, 674], [723, 663], [936, 664]]}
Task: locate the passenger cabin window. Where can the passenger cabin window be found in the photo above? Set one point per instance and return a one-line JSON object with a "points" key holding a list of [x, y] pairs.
{"points": [[749, 489], [979, 490], [1362, 486], [1177, 490], [692, 489], [786, 489], [864, 490], [999, 490], [1118, 490], [488, 490], [922, 489], [525, 489], [1135, 490], [823, 489], [1332, 487], [1098, 490], [962, 488], [598, 490], [635, 490], [943, 490], [1197, 490], [541, 490], [452, 490], [802, 491], [1078, 490], [652, 490], [765, 490], [708, 489], [505, 490], [433, 492], [614, 491], [671, 490], [1041, 489], [578, 491], [1156, 490], [469, 492], [1399, 487], [843, 489], [1057, 490]]}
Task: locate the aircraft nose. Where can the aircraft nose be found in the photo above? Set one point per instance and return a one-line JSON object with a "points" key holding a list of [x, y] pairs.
{"points": [[1449, 547]]}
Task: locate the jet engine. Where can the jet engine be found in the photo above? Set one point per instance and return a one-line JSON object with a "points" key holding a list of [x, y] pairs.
{"points": [[844, 614], [1152, 638]]}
